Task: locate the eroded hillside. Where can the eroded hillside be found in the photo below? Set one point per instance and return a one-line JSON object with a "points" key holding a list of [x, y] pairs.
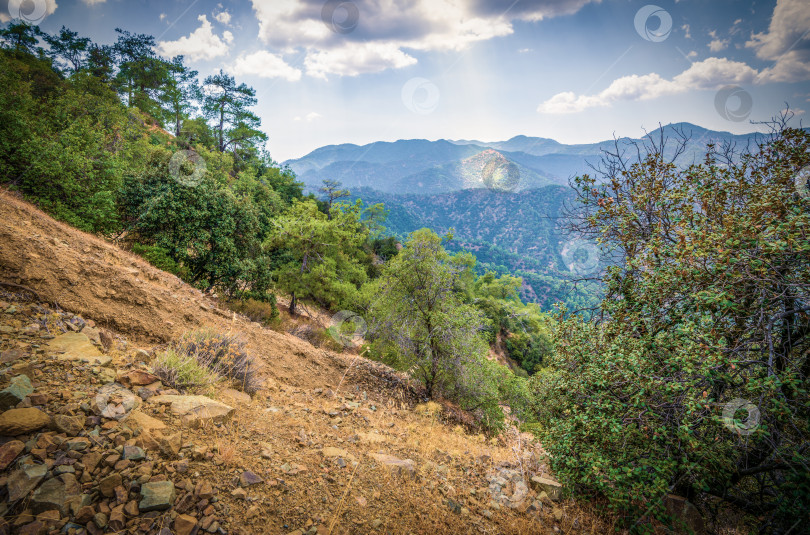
{"points": [[330, 443]]}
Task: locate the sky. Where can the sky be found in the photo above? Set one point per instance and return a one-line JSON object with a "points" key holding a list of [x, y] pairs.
{"points": [[578, 71]]}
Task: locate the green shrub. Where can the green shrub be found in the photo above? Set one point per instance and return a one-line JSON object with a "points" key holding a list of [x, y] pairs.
{"points": [[705, 314], [203, 357], [159, 257], [183, 371], [264, 312]]}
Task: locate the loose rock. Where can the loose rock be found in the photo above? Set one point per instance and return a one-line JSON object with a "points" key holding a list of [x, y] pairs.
{"points": [[156, 496], [15, 392], [9, 451], [16, 422]]}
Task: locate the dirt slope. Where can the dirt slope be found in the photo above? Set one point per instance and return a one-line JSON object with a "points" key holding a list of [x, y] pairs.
{"points": [[325, 457], [123, 293]]}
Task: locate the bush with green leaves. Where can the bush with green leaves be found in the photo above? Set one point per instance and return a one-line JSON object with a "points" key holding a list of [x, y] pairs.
{"points": [[203, 357], [159, 257], [707, 311], [419, 321], [184, 372], [317, 257], [263, 310]]}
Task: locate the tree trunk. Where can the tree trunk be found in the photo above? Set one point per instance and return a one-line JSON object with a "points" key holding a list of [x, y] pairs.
{"points": [[293, 304], [222, 129]]}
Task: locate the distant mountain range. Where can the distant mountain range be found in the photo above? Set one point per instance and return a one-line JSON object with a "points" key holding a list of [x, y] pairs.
{"points": [[418, 166], [502, 200]]}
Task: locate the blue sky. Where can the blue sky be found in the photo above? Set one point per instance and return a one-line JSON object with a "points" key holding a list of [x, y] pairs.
{"points": [[577, 71]]}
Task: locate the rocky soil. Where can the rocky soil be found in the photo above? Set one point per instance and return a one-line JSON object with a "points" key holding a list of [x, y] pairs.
{"points": [[92, 442]]}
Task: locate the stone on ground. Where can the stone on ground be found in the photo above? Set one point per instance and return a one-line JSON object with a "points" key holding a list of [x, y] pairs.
{"points": [[404, 467], [70, 425], [9, 451], [549, 486], [234, 397], [22, 421], [156, 496], [24, 480], [78, 347], [15, 392], [195, 410]]}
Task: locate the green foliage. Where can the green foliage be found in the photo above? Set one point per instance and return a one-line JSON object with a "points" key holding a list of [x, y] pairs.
{"points": [[318, 258], [385, 248], [204, 357], [518, 237], [159, 257], [21, 37], [524, 328], [708, 308], [264, 310], [68, 50], [182, 371], [227, 104], [420, 322], [64, 151], [214, 232]]}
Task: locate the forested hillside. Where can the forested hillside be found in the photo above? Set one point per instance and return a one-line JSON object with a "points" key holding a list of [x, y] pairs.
{"points": [[519, 233], [685, 382]]}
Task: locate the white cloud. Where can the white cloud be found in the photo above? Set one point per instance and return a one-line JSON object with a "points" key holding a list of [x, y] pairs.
{"points": [[692, 54], [202, 43], [786, 43], [265, 65], [93, 2], [162, 16], [311, 116], [223, 17], [383, 30], [710, 73], [525, 50], [356, 58], [686, 31]]}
